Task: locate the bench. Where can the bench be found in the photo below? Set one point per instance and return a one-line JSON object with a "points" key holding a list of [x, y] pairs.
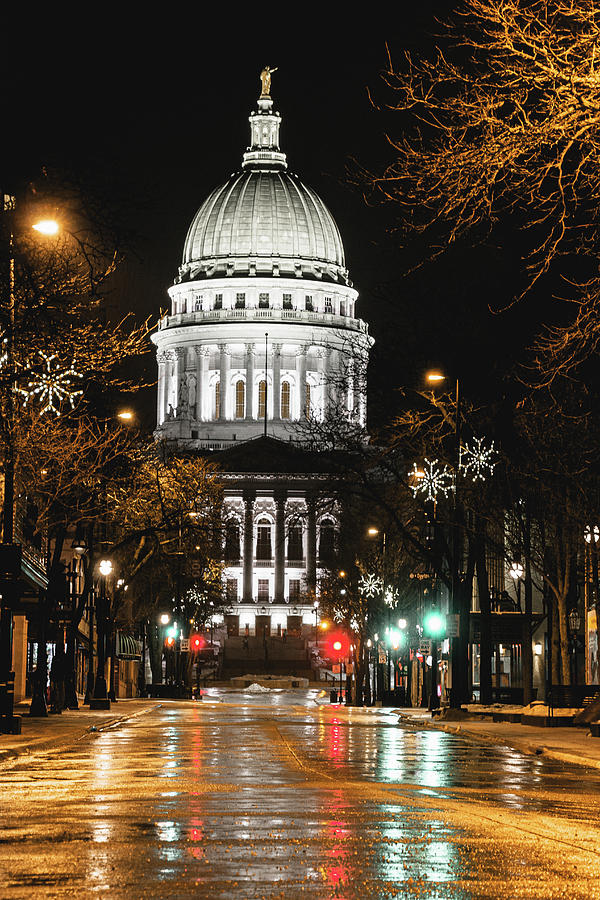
{"points": [[572, 696], [512, 695]]}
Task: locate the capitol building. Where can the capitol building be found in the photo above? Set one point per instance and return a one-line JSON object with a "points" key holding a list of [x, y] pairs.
{"points": [[261, 348]]}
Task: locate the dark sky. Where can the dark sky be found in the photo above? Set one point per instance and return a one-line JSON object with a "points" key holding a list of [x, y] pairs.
{"points": [[158, 108]]}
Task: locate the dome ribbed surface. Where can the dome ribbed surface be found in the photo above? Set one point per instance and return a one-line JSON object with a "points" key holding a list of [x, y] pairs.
{"points": [[262, 216]]}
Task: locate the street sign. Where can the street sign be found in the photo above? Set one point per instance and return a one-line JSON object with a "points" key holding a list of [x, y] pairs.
{"points": [[185, 644], [452, 625], [425, 648]]}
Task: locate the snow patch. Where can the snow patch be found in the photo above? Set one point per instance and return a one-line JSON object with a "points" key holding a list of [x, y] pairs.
{"points": [[257, 689]]}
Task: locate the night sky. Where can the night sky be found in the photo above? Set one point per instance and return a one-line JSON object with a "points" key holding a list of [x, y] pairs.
{"points": [[157, 109]]}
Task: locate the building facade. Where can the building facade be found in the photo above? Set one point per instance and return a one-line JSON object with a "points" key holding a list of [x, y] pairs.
{"points": [[261, 347]]}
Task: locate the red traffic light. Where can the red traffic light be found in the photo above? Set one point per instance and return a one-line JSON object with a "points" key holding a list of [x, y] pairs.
{"points": [[170, 641], [337, 645], [197, 642]]}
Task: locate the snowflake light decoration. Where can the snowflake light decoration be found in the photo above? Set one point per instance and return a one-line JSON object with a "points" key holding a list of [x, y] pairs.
{"points": [[338, 615], [478, 461], [52, 386], [431, 480], [370, 585], [390, 595]]}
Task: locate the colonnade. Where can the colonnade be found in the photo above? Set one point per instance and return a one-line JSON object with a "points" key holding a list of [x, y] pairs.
{"points": [[176, 384], [280, 498]]}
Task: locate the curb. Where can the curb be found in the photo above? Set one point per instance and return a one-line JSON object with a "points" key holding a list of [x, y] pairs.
{"points": [[56, 743], [523, 746]]}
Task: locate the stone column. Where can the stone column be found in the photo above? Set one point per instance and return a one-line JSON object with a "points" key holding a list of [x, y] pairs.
{"points": [[178, 374], [249, 381], [301, 370], [360, 397], [248, 561], [330, 381], [201, 359], [223, 375], [276, 381], [280, 498], [311, 542], [161, 403]]}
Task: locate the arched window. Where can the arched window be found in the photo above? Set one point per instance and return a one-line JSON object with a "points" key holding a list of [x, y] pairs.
{"points": [[327, 540], [307, 411], [285, 400], [218, 400], [262, 395], [263, 539], [240, 397]]}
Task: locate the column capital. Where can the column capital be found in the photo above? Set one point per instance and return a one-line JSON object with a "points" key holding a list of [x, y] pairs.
{"points": [[202, 351], [162, 357], [249, 495], [280, 496], [179, 352], [250, 349], [277, 348], [223, 348]]}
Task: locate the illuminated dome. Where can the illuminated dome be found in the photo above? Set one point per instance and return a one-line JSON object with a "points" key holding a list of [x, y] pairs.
{"points": [[264, 220]]}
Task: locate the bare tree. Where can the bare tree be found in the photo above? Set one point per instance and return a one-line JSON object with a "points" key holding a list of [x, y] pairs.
{"points": [[501, 128]]}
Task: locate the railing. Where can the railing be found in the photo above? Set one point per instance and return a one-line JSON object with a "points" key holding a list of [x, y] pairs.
{"points": [[264, 563], [299, 315], [295, 563]]}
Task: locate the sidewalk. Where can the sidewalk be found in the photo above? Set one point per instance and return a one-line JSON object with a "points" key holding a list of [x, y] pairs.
{"points": [[571, 744], [70, 726]]}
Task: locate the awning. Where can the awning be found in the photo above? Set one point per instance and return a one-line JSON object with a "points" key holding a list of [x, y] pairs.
{"points": [[127, 647]]}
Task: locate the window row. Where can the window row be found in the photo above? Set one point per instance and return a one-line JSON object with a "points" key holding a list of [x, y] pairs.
{"points": [[266, 301], [264, 594], [294, 541], [240, 400]]}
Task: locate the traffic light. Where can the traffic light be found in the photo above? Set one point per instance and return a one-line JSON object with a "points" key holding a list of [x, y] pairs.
{"points": [[169, 642], [337, 645], [434, 624], [196, 643], [396, 639]]}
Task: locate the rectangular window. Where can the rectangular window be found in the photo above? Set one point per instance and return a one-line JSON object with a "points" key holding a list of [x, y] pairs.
{"points": [[263, 590], [240, 399], [328, 305], [307, 411], [232, 590], [342, 308], [218, 400], [287, 301], [263, 542], [218, 301], [240, 301], [308, 303], [263, 301], [294, 590], [294, 548]]}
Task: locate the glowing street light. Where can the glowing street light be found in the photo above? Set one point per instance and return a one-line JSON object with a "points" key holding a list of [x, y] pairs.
{"points": [[47, 227], [435, 377], [105, 567]]}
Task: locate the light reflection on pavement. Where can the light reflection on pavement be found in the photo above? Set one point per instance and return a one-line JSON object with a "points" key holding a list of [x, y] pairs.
{"points": [[274, 796]]}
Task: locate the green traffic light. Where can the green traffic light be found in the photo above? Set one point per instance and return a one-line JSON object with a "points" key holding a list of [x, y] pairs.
{"points": [[434, 624]]}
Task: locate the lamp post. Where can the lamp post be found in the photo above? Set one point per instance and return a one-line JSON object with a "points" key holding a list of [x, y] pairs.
{"points": [[459, 648], [100, 699], [11, 552]]}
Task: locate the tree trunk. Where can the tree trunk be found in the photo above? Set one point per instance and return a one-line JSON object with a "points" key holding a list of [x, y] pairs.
{"points": [[565, 662], [555, 648], [485, 639], [526, 646], [70, 675]]}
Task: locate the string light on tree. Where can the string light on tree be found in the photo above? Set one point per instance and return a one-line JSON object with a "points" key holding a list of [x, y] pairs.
{"points": [[432, 480], [52, 386], [390, 596], [478, 460]]}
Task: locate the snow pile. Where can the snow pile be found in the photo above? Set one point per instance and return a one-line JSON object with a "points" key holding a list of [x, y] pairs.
{"points": [[257, 689]]}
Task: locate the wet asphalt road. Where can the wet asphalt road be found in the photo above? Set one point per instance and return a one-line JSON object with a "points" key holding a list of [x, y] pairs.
{"points": [[270, 795]]}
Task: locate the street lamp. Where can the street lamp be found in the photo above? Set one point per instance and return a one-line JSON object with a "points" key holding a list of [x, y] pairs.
{"points": [[459, 655], [9, 723], [100, 699]]}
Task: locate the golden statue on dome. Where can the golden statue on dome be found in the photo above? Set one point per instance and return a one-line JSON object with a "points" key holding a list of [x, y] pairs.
{"points": [[265, 78]]}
